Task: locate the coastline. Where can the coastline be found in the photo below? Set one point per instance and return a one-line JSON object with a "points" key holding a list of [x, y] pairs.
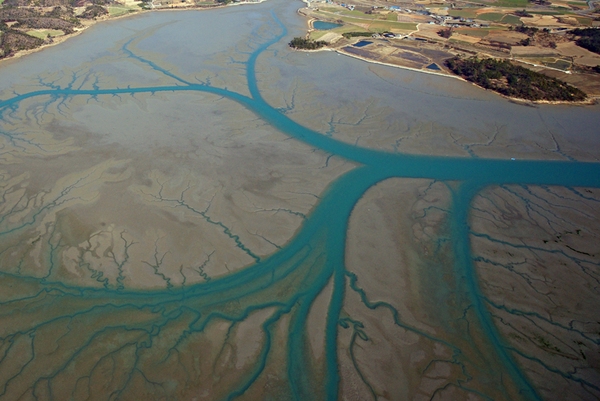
{"points": [[60, 39], [395, 65], [591, 100], [55, 41], [89, 23]]}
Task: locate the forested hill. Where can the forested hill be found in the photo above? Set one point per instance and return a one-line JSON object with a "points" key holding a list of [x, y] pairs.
{"points": [[514, 81]]}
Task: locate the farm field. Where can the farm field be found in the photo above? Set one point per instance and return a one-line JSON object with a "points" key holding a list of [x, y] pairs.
{"points": [[483, 31]]}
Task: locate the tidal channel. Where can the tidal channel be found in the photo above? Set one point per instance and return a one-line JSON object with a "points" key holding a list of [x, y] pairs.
{"points": [[191, 210]]}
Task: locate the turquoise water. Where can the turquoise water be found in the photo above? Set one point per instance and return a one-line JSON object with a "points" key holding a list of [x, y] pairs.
{"points": [[324, 26], [286, 280]]}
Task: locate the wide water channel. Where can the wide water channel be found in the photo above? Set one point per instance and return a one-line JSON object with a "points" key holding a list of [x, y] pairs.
{"points": [[190, 210]]}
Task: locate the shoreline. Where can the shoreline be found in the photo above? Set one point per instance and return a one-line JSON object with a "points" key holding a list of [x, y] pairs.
{"points": [[55, 41], [592, 100], [89, 23], [368, 60]]}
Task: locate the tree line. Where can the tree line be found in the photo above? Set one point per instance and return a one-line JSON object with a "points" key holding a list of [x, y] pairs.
{"points": [[307, 44], [589, 38], [512, 80]]}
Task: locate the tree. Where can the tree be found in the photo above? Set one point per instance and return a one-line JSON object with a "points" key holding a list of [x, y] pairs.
{"points": [[445, 33], [308, 44], [525, 42]]}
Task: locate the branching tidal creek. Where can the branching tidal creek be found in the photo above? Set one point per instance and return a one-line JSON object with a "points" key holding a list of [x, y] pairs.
{"points": [[130, 274]]}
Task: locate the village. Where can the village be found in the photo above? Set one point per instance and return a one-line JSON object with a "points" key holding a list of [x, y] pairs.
{"points": [[423, 35]]}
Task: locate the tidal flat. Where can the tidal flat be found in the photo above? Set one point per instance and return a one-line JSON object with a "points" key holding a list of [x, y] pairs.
{"points": [[224, 218]]}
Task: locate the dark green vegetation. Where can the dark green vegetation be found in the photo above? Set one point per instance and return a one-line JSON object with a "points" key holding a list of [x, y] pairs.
{"points": [[589, 38], [62, 18], [53, 3], [14, 37], [12, 41], [445, 33], [527, 30], [510, 80], [21, 20], [94, 11], [308, 44], [349, 35], [522, 13]]}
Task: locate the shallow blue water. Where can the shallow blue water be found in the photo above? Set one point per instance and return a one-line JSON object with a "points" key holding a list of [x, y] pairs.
{"points": [[324, 26], [324, 231]]}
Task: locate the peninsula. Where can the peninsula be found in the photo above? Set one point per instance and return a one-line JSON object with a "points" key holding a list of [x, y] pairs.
{"points": [[555, 40]]}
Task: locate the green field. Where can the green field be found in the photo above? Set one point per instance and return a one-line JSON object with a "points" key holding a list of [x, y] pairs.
{"points": [[115, 10], [493, 17], [43, 34], [462, 13], [547, 12], [316, 35], [347, 28], [359, 14], [330, 9], [506, 3], [380, 26], [374, 26], [584, 21], [560, 64], [511, 19], [580, 4], [353, 20]]}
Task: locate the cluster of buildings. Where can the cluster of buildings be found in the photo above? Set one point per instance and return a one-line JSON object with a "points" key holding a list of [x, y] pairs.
{"points": [[443, 20], [419, 11], [456, 22]]}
